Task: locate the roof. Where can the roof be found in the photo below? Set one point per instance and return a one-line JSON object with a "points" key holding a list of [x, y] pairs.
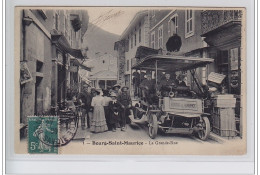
{"points": [[171, 63], [76, 62], [104, 75], [133, 22]]}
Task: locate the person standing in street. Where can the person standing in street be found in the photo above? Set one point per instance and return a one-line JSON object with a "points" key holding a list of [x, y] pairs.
{"points": [[89, 111], [98, 123], [125, 101], [82, 99], [114, 111], [107, 99], [116, 88]]}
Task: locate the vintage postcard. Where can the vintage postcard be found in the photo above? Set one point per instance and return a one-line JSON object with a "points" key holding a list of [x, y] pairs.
{"points": [[130, 81]]}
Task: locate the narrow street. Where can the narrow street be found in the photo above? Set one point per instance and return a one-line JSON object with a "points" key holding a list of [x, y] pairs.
{"points": [[137, 132], [155, 63]]}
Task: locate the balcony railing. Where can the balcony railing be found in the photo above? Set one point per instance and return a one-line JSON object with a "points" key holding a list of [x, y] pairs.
{"points": [[212, 19]]}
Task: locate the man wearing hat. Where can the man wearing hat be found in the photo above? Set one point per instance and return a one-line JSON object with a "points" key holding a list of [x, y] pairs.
{"points": [[181, 80], [114, 111], [116, 88], [125, 101], [165, 84], [148, 88], [85, 98]]}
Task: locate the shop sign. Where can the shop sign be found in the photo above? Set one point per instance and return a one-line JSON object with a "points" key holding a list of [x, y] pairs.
{"points": [[216, 77], [183, 105]]}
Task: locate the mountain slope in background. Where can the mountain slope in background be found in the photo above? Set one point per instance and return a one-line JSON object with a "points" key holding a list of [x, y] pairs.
{"points": [[99, 41]]}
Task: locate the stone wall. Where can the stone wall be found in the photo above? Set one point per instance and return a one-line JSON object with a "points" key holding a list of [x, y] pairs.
{"points": [[38, 91]]}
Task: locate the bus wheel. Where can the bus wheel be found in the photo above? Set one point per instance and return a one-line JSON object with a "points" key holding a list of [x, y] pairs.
{"points": [[204, 133], [153, 126]]}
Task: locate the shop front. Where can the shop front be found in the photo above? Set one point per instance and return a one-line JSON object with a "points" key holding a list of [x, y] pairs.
{"points": [[224, 39], [64, 71]]}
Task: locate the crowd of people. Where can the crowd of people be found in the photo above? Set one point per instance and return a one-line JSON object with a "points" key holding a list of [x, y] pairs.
{"points": [[148, 89], [103, 110]]}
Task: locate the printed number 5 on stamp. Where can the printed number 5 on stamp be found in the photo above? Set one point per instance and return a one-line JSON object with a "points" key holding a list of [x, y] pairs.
{"points": [[43, 134]]}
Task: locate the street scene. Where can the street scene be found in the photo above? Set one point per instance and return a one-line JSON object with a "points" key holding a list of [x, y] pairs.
{"points": [[131, 76]]}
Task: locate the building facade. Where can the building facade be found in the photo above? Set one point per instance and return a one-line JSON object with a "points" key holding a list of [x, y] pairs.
{"points": [[50, 44], [202, 36], [224, 38], [187, 25], [136, 34], [103, 71], [102, 62]]}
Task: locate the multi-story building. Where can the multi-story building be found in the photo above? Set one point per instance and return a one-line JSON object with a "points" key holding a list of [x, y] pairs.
{"points": [[222, 30], [50, 48], [224, 35], [136, 34], [211, 33], [204, 33], [103, 70], [102, 62], [187, 25]]}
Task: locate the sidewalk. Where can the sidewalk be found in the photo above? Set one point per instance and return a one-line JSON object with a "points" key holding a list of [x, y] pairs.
{"points": [[220, 139]]}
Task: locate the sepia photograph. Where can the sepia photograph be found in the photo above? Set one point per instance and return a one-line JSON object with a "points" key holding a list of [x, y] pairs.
{"points": [[130, 81]]}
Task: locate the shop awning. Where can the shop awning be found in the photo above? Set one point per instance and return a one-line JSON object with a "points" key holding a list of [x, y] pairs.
{"points": [[62, 42], [77, 62]]}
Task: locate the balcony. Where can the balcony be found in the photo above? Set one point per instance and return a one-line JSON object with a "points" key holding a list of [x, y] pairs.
{"points": [[213, 20]]}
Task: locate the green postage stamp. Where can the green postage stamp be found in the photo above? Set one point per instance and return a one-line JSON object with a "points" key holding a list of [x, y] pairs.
{"points": [[43, 134]]}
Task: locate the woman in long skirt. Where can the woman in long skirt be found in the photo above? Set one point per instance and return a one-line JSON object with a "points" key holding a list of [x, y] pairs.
{"points": [[98, 123]]}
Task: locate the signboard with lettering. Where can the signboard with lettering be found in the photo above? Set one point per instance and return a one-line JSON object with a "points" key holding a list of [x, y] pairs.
{"points": [[216, 77], [182, 105]]}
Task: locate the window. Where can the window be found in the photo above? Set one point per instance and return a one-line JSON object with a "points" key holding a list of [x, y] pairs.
{"points": [[56, 21], [135, 39], [153, 13], [169, 28], [222, 62], [66, 27], [140, 35], [160, 37], [234, 56], [173, 25], [153, 39], [127, 65], [203, 76], [131, 41], [71, 37], [189, 23]]}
